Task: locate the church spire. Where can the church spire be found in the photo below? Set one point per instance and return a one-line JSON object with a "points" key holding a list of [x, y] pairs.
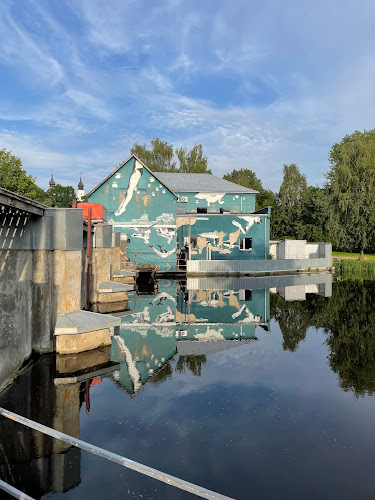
{"points": [[52, 182], [81, 189], [80, 184]]}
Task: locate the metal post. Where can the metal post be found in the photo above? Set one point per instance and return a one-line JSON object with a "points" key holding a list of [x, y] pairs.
{"points": [[74, 204], [125, 462], [88, 257]]}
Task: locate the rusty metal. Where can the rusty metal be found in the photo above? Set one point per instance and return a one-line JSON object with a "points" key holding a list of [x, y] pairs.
{"points": [[125, 462], [87, 396], [88, 257], [74, 204], [14, 492]]}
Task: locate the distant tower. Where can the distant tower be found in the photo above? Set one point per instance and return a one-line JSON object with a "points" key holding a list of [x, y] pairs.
{"points": [[52, 182], [81, 189]]}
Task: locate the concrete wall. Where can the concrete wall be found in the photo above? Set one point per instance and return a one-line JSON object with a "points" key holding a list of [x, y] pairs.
{"points": [[297, 249], [260, 266], [43, 274]]}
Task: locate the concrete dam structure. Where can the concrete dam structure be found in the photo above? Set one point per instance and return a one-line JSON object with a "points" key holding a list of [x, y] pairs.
{"points": [[52, 263]]}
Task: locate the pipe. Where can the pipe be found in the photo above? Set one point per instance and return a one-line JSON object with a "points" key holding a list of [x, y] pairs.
{"points": [[125, 462]]}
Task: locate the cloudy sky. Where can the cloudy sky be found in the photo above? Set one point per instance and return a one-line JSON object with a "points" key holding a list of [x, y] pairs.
{"points": [[259, 83]]}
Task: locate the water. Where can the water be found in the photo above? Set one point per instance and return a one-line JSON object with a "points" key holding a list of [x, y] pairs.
{"points": [[255, 388]]}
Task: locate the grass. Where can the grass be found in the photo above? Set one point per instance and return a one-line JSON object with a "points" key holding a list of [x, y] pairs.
{"points": [[355, 269], [348, 255]]}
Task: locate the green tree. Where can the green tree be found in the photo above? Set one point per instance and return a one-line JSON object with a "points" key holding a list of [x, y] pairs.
{"points": [[192, 363], [291, 198], [159, 158], [14, 178], [247, 178], [351, 180], [192, 161], [315, 214], [60, 196]]}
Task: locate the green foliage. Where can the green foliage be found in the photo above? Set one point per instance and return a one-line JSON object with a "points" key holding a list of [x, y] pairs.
{"points": [[14, 178], [347, 319], [60, 196], [351, 181], [291, 200], [191, 363], [247, 178], [348, 269], [160, 158], [192, 161]]}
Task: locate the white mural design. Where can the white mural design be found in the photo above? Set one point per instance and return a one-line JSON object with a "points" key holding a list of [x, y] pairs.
{"points": [[133, 182], [210, 335], [250, 222], [250, 318], [163, 254], [212, 236], [211, 197], [166, 232], [161, 297], [166, 317]]}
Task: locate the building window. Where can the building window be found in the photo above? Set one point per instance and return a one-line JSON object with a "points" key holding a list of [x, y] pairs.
{"points": [[245, 295], [193, 241], [224, 210], [246, 243], [201, 210]]}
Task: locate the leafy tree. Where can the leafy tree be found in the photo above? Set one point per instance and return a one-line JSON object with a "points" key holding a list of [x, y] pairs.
{"points": [[247, 178], [192, 363], [287, 218], [315, 214], [192, 161], [159, 158], [14, 178], [60, 196], [351, 181]]}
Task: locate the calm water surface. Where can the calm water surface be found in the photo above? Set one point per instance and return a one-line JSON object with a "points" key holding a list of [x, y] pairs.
{"points": [[255, 388]]}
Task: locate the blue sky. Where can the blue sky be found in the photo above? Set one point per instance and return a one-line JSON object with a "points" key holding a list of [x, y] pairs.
{"points": [[258, 83]]}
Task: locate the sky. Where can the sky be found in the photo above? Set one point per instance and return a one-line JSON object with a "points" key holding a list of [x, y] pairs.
{"points": [[257, 83]]}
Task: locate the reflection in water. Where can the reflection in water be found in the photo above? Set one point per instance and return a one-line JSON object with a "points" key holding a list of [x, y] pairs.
{"points": [[201, 394]]}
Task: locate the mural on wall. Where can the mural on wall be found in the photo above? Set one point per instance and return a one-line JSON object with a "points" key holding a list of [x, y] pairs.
{"points": [[211, 197], [134, 178], [221, 236], [164, 226]]}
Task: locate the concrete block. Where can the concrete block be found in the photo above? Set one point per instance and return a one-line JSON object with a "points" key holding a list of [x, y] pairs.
{"points": [[103, 236], [109, 307], [125, 281], [116, 239], [72, 363], [67, 228], [110, 297], [124, 274], [98, 371], [78, 322], [111, 286], [68, 344]]}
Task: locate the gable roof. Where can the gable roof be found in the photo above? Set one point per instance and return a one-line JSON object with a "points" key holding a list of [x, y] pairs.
{"points": [[143, 165], [206, 183]]}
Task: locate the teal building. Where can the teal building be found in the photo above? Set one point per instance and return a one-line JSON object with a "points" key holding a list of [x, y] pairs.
{"points": [[143, 209], [168, 218]]}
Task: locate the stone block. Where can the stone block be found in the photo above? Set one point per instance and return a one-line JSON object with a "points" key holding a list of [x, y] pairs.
{"points": [[70, 344], [109, 297]]}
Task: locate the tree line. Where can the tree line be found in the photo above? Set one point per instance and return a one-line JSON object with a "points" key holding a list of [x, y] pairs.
{"points": [[342, 211]]}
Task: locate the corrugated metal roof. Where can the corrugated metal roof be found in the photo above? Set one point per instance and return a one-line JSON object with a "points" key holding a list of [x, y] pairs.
{"points": [[204, 183]]}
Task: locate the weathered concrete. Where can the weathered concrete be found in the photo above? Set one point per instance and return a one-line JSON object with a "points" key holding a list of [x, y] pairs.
{"points": [[68, 344], [83, 321], [109, 307]]}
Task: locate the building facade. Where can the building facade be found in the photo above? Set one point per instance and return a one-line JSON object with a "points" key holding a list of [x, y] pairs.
{"points": [[168, 218]]}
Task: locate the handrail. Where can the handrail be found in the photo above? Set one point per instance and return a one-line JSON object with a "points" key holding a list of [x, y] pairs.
{"points": [[13, 491], [125, 462]]}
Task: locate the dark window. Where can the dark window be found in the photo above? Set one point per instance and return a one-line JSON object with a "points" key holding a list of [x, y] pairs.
{"points": [[193, 241], [246, 243], [224, 210], [201, 210], [248, 295]]}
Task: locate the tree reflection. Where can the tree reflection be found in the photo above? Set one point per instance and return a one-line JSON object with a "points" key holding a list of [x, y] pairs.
{"points": [[348, 319], [192, 363]]}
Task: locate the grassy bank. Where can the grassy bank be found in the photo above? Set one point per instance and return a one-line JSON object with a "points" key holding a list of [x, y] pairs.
{"points": [[348, 255], [355, 269]]}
